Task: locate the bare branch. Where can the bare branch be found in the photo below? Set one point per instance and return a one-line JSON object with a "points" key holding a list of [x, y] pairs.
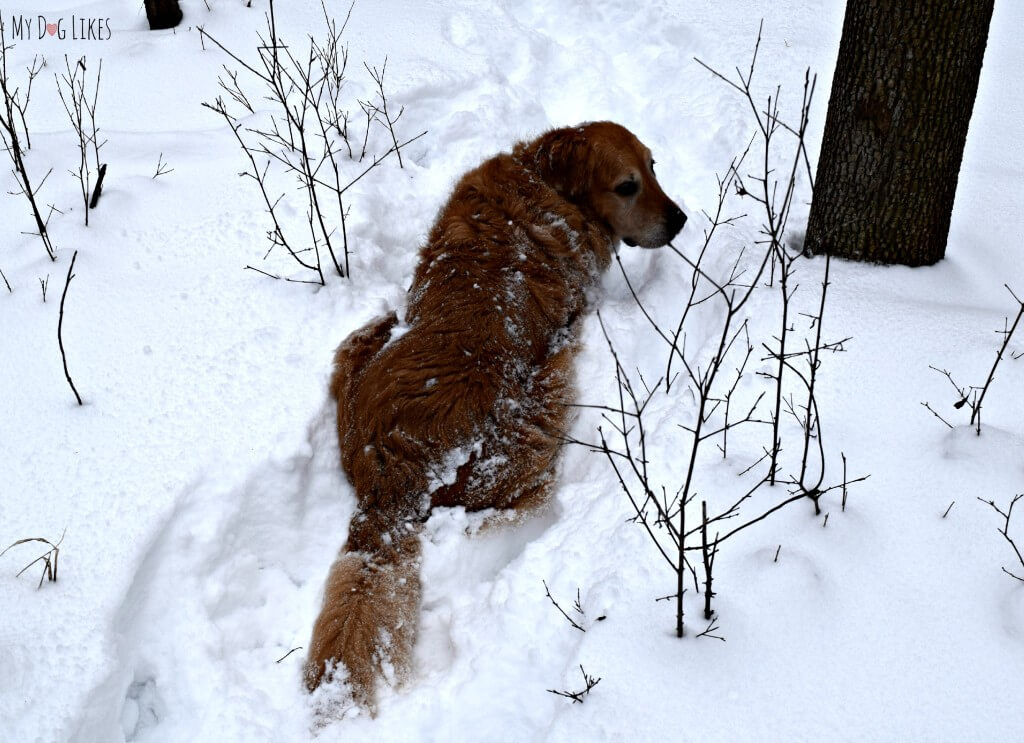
{"points": [[578, 696], [1005, 531], [561, 611]]}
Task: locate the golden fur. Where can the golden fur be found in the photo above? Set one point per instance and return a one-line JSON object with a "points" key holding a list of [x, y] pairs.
{"points": [[464, 403]]}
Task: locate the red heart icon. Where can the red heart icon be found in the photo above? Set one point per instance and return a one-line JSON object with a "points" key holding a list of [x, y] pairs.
{"points": [[51, 28]]}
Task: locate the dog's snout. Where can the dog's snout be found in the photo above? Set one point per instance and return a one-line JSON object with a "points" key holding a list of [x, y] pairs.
{"points": [[674, 219]]}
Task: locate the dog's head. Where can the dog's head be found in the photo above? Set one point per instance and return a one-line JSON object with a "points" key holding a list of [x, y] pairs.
{"points": [[604, 168]]}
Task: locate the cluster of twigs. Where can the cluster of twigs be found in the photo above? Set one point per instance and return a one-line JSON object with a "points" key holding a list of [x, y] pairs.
{"points": [[589, 681], [48, 558], [624, 437], [1005, 531], [80, 106], [14, 138], [578, 696], [306, 133], [162, 168], [973, 396]]}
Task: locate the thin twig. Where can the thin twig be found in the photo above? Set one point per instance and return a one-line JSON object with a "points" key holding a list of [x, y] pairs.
{"points": [[60, 325], [569, 619], [711, 629], [932, 411], [287, 654], [161, 167]]}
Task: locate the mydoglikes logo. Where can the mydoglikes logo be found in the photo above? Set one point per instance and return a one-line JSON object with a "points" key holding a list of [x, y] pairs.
{"points": [[76, 28]]}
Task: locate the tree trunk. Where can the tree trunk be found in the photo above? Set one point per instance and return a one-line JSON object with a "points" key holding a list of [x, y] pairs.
{"points": [[904, 87], [162, 14]]}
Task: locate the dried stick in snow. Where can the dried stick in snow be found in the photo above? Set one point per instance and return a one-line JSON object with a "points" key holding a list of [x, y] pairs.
{"points": [[1005, 531], [60, 326], [48, 558]]}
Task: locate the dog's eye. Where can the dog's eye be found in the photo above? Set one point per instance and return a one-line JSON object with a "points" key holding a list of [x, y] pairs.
{"points": [[652, 165], [627, 188]]}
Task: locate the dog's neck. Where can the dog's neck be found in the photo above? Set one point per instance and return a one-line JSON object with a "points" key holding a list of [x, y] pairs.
{"points": [[559, 159], [556, 158]]}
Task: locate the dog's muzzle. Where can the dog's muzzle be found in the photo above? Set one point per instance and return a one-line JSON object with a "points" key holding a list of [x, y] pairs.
{"points": [[671, 223]]}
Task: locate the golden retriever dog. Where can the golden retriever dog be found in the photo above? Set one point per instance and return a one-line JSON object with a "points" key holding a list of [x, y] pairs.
{"points": [[465, 402]]}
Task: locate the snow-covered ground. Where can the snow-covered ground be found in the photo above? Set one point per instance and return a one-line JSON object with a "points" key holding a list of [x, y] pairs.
{"points": [[199, 485]]}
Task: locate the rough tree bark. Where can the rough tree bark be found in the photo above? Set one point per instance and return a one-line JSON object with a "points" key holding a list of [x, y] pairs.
{"points": [[904, 87], [162, 14]]}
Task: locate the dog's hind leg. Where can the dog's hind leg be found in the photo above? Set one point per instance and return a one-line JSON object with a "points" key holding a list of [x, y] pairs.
{"points": [[535, 434], [355, 351], [349, 361]]}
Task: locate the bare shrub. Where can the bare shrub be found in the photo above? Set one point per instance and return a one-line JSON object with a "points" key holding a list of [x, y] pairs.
{"points": [[712, 381], [12, 135], [305, 135], [80, 106]]}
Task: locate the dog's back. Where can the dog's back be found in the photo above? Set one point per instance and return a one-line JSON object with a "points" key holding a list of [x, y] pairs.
{"points": [[498, 287]]}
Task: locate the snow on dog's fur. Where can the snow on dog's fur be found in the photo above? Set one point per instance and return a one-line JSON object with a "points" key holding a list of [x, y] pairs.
{"points": [[465, 405]]}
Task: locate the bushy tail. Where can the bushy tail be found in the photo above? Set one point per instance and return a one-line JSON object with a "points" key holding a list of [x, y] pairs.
{"points": [[371, 608]]}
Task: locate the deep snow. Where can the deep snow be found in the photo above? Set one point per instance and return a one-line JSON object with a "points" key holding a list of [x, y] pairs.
{"points": [[199, 484]]}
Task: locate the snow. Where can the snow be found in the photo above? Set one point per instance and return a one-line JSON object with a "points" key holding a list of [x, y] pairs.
{"points": [[199, 484]]}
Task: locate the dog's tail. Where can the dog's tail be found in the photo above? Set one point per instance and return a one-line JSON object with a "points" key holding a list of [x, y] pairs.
{"points": [[371, 607]]}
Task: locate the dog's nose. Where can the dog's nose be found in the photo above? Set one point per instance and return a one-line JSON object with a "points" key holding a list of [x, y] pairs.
{"points": [[675, 219]]}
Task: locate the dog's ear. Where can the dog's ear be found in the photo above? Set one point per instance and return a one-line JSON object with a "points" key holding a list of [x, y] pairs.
{"points": [[561, 158]]}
